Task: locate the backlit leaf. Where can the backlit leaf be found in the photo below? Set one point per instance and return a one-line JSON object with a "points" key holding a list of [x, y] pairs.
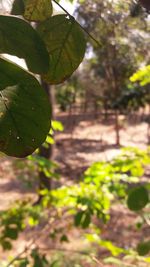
{"points": [[18, 38], [24, 111], [66, 46], [38, 10]]}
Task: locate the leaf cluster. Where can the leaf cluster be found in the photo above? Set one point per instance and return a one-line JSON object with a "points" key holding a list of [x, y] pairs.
{"points": [[53, 47]]}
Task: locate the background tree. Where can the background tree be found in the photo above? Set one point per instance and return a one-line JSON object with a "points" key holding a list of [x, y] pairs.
{"points": [[123, 40]]}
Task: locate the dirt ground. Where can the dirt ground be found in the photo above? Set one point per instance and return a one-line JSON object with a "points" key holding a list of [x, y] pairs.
{"points": [[86, 140], [83, 141]]}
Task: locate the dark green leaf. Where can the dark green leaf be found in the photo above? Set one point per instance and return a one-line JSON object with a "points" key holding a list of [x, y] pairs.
{"points": [[18, 38], [86, 220], [24, 263], [83, 219], [12, 233], [6, 245], [18, 7], [78, 218], [138, 198], [38, 259], [24, 111], [66, 45], [38, 10], [64, 238], [143, 248]]}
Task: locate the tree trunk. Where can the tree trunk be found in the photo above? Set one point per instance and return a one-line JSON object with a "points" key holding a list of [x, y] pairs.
{"points": [[117, 128], [46, 152]]}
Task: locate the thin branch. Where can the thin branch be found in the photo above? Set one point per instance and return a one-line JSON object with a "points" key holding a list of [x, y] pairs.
{"points": [[97, 261], [17, 257], [70, 16], [65, 250]]}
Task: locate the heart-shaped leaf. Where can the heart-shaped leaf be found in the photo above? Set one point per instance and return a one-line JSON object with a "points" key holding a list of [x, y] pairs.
{"points": [[38, 10], [18, 38], [24, 111], [66, 46]]}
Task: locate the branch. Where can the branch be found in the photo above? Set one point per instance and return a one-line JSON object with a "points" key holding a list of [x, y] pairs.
{"points": [[70, 16], [65, 250], [17, 257]]}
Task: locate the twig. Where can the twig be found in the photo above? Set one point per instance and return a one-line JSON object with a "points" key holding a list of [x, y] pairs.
{"points": [[17, 257], [97, 261], [65, 250], [90, 35]]}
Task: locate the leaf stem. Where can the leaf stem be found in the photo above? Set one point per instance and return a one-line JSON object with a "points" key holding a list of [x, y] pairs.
{"points": [[70, 16]]}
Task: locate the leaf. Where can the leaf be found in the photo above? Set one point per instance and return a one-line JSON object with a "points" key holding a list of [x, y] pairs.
{"points": [[12, 233], [38, 259], [138, 198], [142, 75], [78, 218], [38, 10], [57, 126], [82, 218], [143, 248], [64, 238], [18, 38], [6, 245], [55, 263], [18, 7], [66, 46], [24, 263], [86, 220], [24, 111]]}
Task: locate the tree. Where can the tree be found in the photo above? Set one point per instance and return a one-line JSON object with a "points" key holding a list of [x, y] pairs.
{"points": [[54, 50], [122, 42]]}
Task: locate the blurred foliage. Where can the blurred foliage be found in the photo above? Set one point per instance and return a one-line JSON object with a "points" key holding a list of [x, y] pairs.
{"points": [[121, 29], [27, 170], [83, 205], [142, 76]]}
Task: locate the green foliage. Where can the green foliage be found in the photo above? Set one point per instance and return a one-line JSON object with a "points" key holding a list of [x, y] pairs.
{"points": [[62, 36], [20, 39], [142, 76], [81, 205], [38, 10], [143, 248], [120, 171], [57, 126], [23, 127], [38, 259], [138, 198], [44, 165], [22, 102], [11, 223], [118, 55]]}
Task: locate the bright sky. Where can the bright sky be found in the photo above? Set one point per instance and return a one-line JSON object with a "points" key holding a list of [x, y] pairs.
{"points": [[67, 5]]}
